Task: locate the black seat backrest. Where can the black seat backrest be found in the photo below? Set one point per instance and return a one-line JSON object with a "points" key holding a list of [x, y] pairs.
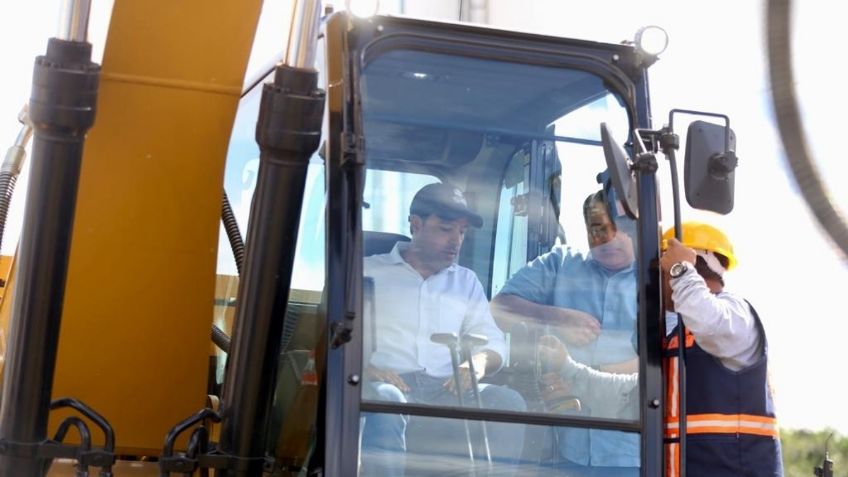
{"points": [[374, 243]]}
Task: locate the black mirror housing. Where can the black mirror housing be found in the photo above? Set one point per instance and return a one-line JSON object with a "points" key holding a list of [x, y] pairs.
{"points": [[710, 162], [623, 181]]}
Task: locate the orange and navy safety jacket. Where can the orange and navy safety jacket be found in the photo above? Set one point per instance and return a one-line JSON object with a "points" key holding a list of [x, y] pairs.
{"points": [[731, 428]]}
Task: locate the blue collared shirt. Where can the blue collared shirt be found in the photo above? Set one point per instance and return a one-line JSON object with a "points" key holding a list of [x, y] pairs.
{"points": [[566, 279], [569, 280]]}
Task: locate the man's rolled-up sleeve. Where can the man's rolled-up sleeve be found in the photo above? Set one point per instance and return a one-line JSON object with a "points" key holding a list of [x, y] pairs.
{"points": [[534, 282]]}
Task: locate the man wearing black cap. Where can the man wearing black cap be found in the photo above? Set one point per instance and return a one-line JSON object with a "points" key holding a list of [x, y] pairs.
{"points": [[419, 290]]}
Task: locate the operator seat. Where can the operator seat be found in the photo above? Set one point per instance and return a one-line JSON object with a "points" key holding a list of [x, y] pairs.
{"points": [[374, 243], [295, 390]]}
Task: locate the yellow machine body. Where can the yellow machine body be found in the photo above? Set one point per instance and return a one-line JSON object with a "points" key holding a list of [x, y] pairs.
{"points": [[140, 293]]}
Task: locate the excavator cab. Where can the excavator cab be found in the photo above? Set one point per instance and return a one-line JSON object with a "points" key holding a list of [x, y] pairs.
{"points": [[514, 122]]}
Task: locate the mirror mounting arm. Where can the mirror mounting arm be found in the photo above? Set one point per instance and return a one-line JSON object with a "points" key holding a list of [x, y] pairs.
{"points": [[645, 162], [669, 140]]}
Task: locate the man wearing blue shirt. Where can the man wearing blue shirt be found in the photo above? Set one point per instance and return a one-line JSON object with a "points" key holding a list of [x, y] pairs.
{"points": [[590, 302]]}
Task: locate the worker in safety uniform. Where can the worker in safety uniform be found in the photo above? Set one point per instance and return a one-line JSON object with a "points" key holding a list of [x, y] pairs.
{"points": [[731, 428]]}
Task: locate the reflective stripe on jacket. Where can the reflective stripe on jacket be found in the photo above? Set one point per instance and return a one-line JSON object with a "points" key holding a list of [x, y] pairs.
{"points": [[731, 428]]}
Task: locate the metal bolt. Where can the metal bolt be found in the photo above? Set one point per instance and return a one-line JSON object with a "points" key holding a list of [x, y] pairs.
{"points": [[655, 403], [615, 57], [380, 28], [353, 379]]}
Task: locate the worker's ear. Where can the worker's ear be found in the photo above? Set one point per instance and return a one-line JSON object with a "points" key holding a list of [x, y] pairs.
{"points": [[415, 224]]}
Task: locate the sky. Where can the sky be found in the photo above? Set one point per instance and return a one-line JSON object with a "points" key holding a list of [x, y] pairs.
{"points": [[716, 62]]}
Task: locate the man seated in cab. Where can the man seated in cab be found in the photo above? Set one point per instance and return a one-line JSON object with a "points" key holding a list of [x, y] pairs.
{"points": [[588, 301], [420, 290]]}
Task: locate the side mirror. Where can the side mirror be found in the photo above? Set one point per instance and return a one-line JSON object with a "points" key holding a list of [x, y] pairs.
{"points": [[708, 170], [623, 182]]}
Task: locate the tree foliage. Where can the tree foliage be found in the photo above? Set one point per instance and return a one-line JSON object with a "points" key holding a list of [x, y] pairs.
{"points": [[803, 450]]}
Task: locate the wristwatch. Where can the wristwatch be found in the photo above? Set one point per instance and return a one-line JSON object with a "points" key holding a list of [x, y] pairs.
{"points": [[678, 269]]}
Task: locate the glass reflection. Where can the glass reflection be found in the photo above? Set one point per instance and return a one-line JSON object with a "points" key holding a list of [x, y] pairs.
{"points": [[436, 452], [498, 268], [432, 335], [586, 301]]}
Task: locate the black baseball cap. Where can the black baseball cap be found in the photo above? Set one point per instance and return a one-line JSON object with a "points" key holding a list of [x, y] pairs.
{"points": [[445, 201]]}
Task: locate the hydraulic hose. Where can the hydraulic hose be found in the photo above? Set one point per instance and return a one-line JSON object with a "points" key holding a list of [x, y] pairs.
{"points": [[11, 168], [228, 218], [7, 188], [778, 31], [221, 339]]}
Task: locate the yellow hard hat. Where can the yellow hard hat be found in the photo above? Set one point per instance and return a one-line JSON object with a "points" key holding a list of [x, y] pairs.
{"points": [[705, 237]]}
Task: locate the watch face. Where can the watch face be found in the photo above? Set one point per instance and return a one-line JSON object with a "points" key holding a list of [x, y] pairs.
{"points": [[677, 269]]}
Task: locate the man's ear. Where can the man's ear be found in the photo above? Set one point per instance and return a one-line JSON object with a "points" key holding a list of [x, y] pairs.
{"points": [[415, 224]]}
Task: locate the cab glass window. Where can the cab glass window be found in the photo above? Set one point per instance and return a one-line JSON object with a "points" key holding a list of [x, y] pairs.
{"points": [[386, 192], [511, 234], [509, 289]]}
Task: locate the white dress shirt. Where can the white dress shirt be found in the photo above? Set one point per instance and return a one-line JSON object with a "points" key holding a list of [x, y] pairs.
{"points": [[408, 308], [610, 395], [722, 323]]}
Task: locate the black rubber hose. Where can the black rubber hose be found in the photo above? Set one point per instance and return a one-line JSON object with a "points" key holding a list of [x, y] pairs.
{"points": [[228, 218], [778, 31], [221, 339]]}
